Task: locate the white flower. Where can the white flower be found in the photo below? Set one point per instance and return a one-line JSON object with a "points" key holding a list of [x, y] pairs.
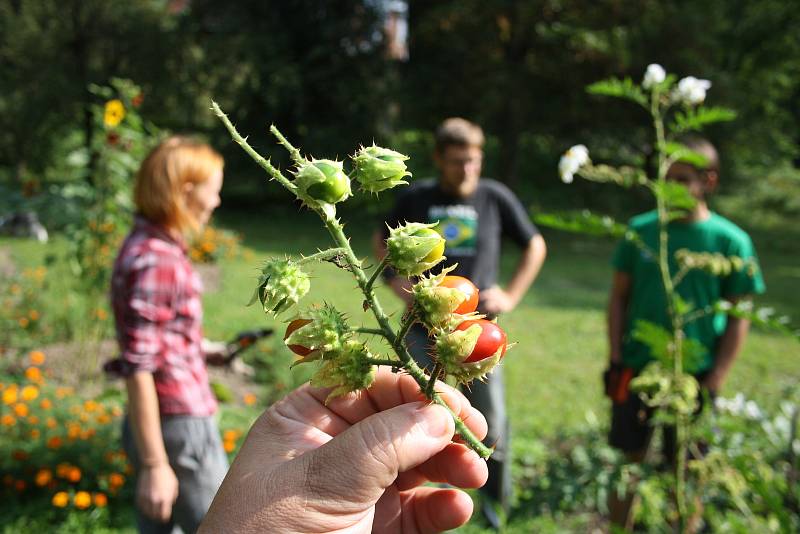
{"points": [[654, 75], [751, 410], [572, 160], [721, 403], [691, 90]]}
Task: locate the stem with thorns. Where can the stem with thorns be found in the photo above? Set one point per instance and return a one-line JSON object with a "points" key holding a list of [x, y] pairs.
{"points": [[336, 231]]}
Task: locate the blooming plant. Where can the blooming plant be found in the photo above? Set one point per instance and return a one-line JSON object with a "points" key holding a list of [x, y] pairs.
{"points": [[324, 335], [674, 109], [213, 244]]}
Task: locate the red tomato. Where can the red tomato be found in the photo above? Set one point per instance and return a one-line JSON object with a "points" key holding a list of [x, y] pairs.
{"points": [[491, 339], [470, 303], [294, 325]]}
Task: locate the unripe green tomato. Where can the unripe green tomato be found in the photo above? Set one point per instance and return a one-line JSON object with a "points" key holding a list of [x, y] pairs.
{"points": [[437, 251], [333, 188]]}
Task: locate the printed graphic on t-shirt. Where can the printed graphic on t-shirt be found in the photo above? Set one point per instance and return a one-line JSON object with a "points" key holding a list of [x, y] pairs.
{"points": [[458, 224]]}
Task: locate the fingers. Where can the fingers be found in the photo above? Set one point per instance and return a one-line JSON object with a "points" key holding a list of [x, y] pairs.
{"points": [[367, 457], [456, 465], [428, 510]]}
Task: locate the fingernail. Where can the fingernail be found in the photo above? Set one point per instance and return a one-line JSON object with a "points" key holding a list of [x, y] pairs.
{"points": [[436, 420]]}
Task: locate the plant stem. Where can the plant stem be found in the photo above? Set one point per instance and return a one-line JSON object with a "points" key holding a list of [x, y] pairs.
{"points": [[437, 369], [378, 270], [675, 320], [242, 142], [293, 152], [375, 331], [322, 255], [385, 361]]}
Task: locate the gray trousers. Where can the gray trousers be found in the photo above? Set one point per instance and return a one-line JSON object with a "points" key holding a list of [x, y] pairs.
{"points": [[196, 455], [489, 398]]}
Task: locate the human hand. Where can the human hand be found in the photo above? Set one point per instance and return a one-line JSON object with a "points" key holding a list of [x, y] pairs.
{"points": [[156, 491], [496, 300], [356, 464]]}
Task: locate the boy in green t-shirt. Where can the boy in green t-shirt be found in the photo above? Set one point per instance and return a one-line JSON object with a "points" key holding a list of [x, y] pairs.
{"points": [[637, 293]]}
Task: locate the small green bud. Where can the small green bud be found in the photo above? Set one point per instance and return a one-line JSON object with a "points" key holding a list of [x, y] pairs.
{"points": [[377, 168], [414, 248], [345, 370], [281, 285], [325, 333], [323, 180], [453, 348]]}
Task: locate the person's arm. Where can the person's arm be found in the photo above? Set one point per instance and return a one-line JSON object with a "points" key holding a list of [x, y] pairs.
{"points": [[401, 286], [617, 314], [499, 300], [157, 488], [729, 347]]}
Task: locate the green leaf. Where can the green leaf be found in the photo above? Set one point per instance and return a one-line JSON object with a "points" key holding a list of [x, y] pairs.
{"points": [[624, 176], [682, 153], [619, 89], [657, 338], [697, 118], [675, 195], [582, 222], [764, 316]]}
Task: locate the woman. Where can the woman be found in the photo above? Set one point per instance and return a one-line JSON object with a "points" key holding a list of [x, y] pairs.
{"points": [[170, 432]]}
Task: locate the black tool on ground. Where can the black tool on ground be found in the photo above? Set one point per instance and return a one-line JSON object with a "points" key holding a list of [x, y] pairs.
{"points": [[243, 341]]}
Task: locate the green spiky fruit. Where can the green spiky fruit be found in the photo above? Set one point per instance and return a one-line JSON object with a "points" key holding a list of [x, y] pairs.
{"points": [[281, 285], [378, 169], [323, 181], [325, 332], [413, 248], [345, 370], [456, 352]]}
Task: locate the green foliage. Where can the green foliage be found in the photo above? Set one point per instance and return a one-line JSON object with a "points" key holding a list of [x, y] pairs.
{"points": [[680, 152], [675, 196], [582, 222], [617, 88], [700, 117], [660, 342]]}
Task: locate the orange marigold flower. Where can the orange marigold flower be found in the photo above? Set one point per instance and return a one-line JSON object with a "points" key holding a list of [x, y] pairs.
{"points": [[229, 446], [23, 322], [29, 393], [55, 442], [33, 315], [73, 431], [60, 499], [10, 394], [116, 411], [51, 422], [115, 480], [114, 113], [101, 314], [35, 433], [20, 485], [46, 404], [100, 500], [33, 420], [250, 399], [62, 469], [21, 410], [43, 477], [36, 357], [20, 456], [103, 419], [90, 405], [74, 474], [34, 374], [82, 500], [8, 420]]}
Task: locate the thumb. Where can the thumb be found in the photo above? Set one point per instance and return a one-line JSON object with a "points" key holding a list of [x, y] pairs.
{"points": [[367, 457]]}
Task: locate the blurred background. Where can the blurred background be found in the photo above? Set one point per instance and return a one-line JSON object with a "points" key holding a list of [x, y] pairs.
{"points": [[88, 86]]}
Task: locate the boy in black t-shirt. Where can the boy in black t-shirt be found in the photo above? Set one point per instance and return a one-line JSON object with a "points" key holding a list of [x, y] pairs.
{"points": [[473, 215]]}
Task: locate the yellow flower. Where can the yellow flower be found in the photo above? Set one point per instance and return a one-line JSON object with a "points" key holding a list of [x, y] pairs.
{"points": [[43, 477], [37, 357], [21, 410], [10, 394], [103, 419], [82, 500], [114, 113], [250, 399], [29, 393], [90, 405], [229, 446], [231, 435], [60, 499]]}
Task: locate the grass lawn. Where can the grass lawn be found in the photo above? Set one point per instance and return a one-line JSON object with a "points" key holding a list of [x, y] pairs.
{"points": [[553, 373]]}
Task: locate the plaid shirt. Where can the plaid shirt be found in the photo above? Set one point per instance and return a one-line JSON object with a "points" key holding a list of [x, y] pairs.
{"points": [[155, 295]]}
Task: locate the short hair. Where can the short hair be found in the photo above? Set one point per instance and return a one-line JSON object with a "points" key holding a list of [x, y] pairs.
{"points": [[459, 132], [702, 146], [159, 190]]}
